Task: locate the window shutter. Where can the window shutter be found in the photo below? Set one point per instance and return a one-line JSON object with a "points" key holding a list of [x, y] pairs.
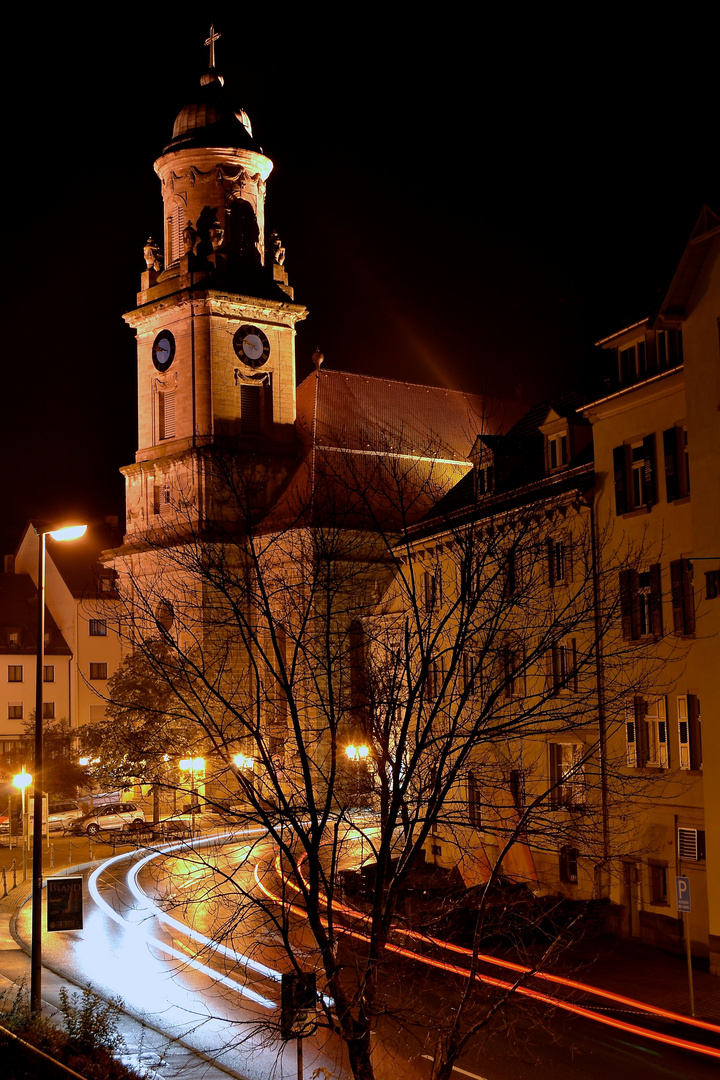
{"points": [[626, 579], [649, 469], [630, 733], [250, 410], [688, 597], [621, 470], [167, 414], [641, 733], [663, 743], [688, 847], [568, 554], [555, 760], [676, 592], [573, 674], [683, 732], [694, 731], [672, 486], [656, 600]]}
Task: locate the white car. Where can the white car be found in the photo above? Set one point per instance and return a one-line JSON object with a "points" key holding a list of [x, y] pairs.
{"points": [[112, 816]]}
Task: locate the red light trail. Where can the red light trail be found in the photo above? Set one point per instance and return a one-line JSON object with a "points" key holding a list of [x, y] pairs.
{"points": [[535, 995]]}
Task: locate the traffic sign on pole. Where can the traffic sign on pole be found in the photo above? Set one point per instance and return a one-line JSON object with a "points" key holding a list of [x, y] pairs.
{"points": [[682, 891]]}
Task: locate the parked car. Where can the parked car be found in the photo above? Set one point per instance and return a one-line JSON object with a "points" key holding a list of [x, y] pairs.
{"points": [[61, 814], [112, 816]]}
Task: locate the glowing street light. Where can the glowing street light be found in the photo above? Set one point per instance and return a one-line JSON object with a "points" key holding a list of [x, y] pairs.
{"points": [[65, 532], [357, 753], [192, 765], [21, 781]]}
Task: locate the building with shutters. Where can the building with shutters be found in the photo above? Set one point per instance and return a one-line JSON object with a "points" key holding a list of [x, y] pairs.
{"points": [[657, 459]]}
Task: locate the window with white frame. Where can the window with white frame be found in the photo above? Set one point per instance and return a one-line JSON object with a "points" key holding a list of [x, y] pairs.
{"points": [[567, 775], [557, 450], [646, 734]]}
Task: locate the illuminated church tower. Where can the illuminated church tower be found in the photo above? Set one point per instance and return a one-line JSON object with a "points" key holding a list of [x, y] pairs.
{"points": [[215, 323]]}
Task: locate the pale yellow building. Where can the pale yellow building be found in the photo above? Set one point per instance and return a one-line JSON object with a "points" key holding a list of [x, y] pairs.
{"points": [[657, 459]]}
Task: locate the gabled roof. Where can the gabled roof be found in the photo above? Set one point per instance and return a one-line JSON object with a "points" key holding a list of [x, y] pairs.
{"points": [[18, 612], [705, 233]]}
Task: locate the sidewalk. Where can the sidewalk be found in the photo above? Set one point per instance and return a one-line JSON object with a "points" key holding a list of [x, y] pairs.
{"points": [[648, 974], [148, 1049]]}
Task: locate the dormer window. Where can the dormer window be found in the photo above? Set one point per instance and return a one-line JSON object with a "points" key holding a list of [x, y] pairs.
{"points": [[557, 450], [485, 479], [632, 361]]}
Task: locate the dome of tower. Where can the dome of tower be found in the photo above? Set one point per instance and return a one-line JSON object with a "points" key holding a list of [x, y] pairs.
{"points": [[212, 120]]}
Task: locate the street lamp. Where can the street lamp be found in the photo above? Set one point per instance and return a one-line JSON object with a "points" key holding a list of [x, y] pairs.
{"points": [[21, 781], [67, 532], [192, 765]]}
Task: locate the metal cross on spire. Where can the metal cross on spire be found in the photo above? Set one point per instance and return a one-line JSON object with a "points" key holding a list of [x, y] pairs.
{"points": [[211, 42]]}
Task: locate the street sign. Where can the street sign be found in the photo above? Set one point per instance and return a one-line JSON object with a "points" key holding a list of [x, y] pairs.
{"points": [[299, 1005], [682, 890], [64, 903]]}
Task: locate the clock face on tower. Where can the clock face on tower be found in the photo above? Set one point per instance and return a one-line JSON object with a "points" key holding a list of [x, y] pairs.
{"points": [[251, 346], [163, 350]]}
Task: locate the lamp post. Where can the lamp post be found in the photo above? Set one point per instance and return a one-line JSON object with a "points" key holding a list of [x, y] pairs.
{"points": [[68, 532], [21, 781], [190, 765]]}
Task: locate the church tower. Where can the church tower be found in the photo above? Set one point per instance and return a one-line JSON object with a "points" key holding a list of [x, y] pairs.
{"points": [[215, 322]]}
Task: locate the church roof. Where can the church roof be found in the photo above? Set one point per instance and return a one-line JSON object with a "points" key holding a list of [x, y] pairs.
{"points": [[361, 413]]}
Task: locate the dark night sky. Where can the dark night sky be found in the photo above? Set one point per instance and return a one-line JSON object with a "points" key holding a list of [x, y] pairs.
{"points": [[470, 205]]}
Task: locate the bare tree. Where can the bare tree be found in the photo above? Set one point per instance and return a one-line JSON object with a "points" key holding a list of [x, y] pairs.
{"points": [[372, 683]]}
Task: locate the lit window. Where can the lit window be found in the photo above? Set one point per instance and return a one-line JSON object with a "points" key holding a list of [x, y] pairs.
{"points": [[98, 671], [13, 638], [98, 627], [15, 673]]}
